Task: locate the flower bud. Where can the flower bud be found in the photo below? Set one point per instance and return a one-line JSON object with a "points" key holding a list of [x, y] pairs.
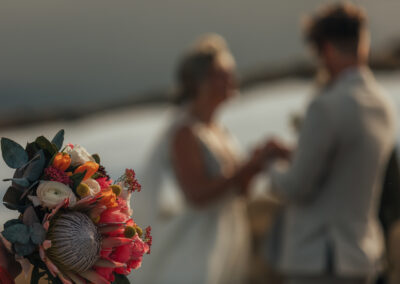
{"points": [[116, 189], [83, 190], [62, 161], [129, 232]]}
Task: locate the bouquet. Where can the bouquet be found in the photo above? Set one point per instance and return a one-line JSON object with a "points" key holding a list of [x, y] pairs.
{"points": [[75, 223]]}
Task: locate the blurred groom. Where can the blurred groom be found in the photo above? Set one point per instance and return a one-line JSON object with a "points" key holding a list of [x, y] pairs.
{"points": [[329, 231]]}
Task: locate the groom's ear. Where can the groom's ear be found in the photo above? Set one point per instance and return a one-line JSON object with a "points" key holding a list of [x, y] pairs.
{"points": [[329, 53]]}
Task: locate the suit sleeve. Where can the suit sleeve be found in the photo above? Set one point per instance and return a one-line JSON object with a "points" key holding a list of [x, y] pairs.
{"points": [[302, 179]]}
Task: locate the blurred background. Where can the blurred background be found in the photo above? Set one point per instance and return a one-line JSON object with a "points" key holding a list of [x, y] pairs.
{"points": [[67, 58], [103, 70]]}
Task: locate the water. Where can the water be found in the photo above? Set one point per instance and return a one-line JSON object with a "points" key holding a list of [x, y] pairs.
{"points": [[68, 54], [123, 138]]}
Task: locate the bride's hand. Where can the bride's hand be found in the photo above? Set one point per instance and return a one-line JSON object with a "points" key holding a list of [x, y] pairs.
{"points": [[260, 156], [249, 169]]}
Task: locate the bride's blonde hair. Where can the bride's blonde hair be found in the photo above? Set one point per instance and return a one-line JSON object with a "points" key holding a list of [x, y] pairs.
{"points": [[196, 64]]}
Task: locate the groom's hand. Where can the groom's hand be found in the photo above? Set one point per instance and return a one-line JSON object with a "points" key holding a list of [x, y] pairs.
{"points": [[275, 149]]}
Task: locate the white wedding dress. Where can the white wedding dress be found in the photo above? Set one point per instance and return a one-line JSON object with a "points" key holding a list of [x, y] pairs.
{"points": [[190, 246]]}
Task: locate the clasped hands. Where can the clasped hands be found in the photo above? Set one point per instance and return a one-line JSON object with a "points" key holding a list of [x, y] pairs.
{"points": [[272, 150], [261, 157]]}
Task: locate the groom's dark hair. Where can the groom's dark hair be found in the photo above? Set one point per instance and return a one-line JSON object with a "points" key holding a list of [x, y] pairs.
{"points": [[340, 24]]}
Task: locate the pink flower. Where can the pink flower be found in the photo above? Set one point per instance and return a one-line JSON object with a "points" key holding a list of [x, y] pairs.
{"points": [[104, 182], [124, 208]]}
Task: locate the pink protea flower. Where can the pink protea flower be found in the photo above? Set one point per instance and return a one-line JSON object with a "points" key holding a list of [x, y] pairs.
{"points": [[131, 254], [106, 272], [108, 249], [54, 174], [112, 215]]}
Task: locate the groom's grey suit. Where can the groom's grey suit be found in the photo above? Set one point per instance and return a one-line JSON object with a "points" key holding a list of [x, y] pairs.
{"points": [[333, 185]]}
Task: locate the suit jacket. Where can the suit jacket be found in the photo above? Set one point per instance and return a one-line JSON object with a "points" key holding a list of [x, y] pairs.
{"points": [[332, 187], [389, 211]]}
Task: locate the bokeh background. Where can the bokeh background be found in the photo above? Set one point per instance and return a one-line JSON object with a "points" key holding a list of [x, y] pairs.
{"points": [[102, 70], [72, 57]]}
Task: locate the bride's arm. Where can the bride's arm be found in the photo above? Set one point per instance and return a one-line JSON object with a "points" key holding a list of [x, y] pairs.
{"points": [[198, 187]]}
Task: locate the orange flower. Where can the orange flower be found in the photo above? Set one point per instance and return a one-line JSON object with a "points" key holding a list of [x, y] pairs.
{"points": [[90, 168], [62, 161], [108, 198]]}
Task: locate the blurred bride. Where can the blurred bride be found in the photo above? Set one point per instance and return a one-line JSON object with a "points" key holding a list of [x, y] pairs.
{"points": [[193, 192]]}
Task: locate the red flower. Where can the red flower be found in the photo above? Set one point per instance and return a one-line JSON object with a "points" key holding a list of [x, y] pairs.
{"points": [[131, 254], [122, 253], [130, 182], [54, 174], [106, 272], [148, 238], [105, 253], [112, 215]]}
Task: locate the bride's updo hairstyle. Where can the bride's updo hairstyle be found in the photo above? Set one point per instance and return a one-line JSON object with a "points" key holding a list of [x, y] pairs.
{"points": [[197, 63]]}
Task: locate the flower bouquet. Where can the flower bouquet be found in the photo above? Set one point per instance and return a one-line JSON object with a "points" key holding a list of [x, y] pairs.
{"points": [[75, 223]]}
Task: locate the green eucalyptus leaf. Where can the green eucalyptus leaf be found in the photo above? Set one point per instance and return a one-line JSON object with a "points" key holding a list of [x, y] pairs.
{"points": [[120, 279], [19, 173], [37, 233], [35, 276], [24, 182], [46, 145], [11, 222], [30, 217], [13, 154], [32, 149], [24, 249], [35, 167], [18, 233], [18, 207], [58, 140], [96, 158], [29, 190], [77, 179], [12, 197]]}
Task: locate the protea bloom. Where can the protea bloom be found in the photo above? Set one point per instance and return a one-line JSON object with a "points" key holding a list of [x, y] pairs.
{"points": [[81, 248], [75, 242]]}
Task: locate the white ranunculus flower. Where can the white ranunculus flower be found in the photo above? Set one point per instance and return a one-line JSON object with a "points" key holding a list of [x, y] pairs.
{"points": [[52, 193], [94, 186], [78, 154]]}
